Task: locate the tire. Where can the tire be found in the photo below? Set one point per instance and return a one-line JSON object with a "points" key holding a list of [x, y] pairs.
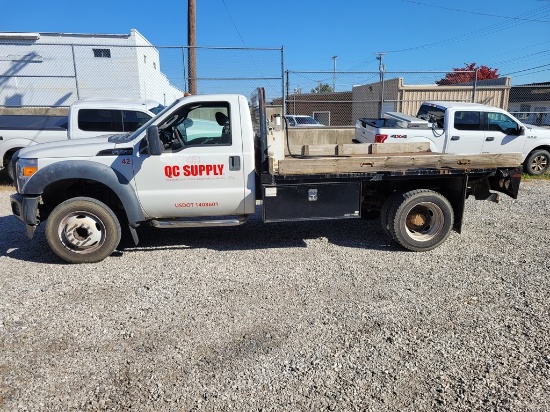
{"points": [[537, 162], [83, 230], [420, 220], [10, 174]]}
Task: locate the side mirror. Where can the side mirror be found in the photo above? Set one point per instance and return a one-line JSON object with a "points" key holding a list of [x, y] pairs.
{"points": [[521, 131], [153, 141]]}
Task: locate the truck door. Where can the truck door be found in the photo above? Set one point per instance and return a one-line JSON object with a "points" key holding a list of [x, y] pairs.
{"points": [[465, 134], [199, 173], [502, 134]]}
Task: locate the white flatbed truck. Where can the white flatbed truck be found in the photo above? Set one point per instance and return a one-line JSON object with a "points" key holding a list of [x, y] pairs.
{"points": [[206, 160]]}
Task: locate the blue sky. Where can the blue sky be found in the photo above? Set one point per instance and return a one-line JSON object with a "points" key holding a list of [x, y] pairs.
{"points": [[424, 35]]}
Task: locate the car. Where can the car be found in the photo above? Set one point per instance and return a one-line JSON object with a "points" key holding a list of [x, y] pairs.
{"points": [[299, 120]]}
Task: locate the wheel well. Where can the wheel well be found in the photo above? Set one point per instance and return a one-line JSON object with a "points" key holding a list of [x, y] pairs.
{"points": [[452, 188], [447, 186], [546, 147], [59, 191], [8, 155]]}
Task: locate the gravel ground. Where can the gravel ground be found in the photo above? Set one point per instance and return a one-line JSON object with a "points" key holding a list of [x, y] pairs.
{"points": [[301, 316]]}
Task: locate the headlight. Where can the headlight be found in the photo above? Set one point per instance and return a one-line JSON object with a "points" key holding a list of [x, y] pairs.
{"points": [[25, 168]]}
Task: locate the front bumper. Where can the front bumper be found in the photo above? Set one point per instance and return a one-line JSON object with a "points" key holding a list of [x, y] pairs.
{"points": [[25, 208]]}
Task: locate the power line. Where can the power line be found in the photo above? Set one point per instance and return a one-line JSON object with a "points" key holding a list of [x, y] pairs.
{"points": [[233, 21], [467, 36], [525, 70], [529, 74], [475, 12], [473, 34]]}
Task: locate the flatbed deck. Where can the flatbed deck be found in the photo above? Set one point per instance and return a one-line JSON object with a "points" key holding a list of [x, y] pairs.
{"points": [[369, 158]]}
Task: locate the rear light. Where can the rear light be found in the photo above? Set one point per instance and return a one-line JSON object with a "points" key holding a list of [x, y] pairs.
{"points": [[380, 138]]}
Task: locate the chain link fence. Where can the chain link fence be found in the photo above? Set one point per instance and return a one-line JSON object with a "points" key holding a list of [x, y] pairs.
{"points": [[55, 75], [339, 98]]}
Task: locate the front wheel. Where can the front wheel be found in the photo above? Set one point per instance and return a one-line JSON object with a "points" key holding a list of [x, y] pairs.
{"points": [[10, 174], [537, 162], [83, 230], [420, 220]]}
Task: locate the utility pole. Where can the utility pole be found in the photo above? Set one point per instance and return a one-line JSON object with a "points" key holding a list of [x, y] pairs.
{"points": [[334, 73], [382, 68], [192, 42]]}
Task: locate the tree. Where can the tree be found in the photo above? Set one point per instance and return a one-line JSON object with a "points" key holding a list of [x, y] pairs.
{"points": [[467, 74], [322, 88]]}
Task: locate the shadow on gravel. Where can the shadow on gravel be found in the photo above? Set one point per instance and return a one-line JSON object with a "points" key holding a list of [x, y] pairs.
{"points": [[254, 234], [15, 244]]}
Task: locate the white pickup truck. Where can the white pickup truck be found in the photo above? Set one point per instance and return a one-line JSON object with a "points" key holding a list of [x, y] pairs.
{"points": [[452, 127], [86, 118]]}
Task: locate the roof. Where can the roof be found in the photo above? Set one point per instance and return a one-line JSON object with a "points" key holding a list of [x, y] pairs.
{"points": [[110, 103], [534, 92]]}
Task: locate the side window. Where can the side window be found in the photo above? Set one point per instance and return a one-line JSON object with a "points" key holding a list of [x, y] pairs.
{"points": [[467, 121], [99, 120], [133, 120], [500, 122], [200, 124], [207, 125]]}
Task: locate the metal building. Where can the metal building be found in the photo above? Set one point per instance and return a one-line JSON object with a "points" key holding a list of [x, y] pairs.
{"points": [[55, 69]]}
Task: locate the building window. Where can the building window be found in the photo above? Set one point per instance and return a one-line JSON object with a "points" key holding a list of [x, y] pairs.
{"points": [[322, 117], [102, 53], [524, 112]]}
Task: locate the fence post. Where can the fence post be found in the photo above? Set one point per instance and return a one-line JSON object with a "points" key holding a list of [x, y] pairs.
{"points": [[285, 96], [185, 80], [382, 94], [75, 73], [475, 87], [283, 79]]}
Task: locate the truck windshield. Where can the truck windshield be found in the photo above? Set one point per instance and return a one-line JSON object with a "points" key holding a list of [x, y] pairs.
{"points": [[432, 114]]}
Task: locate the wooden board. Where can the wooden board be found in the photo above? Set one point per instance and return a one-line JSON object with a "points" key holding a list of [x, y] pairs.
{"points": [[375, 162], [358, 149], [383, 148]]}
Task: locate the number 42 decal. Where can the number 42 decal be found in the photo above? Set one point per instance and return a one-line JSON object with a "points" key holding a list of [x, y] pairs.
{"points": [[126, 161]]}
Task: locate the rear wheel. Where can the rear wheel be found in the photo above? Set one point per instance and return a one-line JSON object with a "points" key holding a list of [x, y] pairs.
{"points": [[420, 220], [537, 162], [83, 230]]}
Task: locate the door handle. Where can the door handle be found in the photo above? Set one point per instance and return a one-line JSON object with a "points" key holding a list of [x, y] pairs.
{"points": [[455, 137], [234, 163], [490, 139]]}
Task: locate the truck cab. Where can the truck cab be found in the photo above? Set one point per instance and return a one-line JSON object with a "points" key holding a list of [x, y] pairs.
{"points": [[195, 159], [473, 128], [206, 163]]}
